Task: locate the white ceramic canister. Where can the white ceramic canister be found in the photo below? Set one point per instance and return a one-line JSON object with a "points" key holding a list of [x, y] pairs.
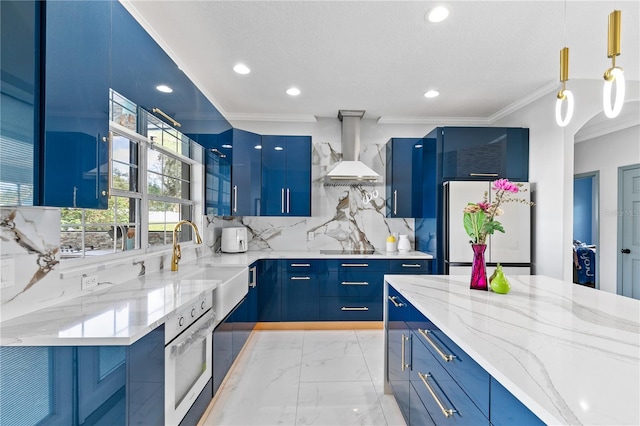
{"points": [[403, 243]]}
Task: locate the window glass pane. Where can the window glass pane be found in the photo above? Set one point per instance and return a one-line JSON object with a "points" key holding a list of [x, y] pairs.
{"points": [[122, 111], [101, 231], [163, 218]]}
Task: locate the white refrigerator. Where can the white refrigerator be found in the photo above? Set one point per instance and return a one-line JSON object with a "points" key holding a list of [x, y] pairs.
{"points": [[511, 249]]}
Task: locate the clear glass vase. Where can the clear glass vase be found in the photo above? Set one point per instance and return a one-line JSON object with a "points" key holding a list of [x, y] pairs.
{"points": [[479, 269]]}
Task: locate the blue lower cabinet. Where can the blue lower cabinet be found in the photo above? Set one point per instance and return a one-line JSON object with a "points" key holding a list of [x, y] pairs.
{"points": [[301, 281], [197, 409], [472, 378], [351, 308], [222, 352], [443, 398], [269, 291], [88, 385], [418, 414], [410, 266], [399, 351], [506, 409]]}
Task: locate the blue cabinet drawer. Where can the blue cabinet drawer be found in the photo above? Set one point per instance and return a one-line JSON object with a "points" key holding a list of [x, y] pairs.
{"points": [[410, 266], [438, 391], [304, 265], [351, 308], [469, 375], [354, 284], [300, 296], [418, 414], [360, 264]]}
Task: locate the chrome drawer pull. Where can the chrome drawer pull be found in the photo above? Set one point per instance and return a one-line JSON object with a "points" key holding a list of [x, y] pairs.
{"points": [[432, 343], [361, 265], [355, 283], [445, 411], [300, 278], [300, 265], [364, 308], [484, 174], [404, 365], [411, 265], [396, 304]]}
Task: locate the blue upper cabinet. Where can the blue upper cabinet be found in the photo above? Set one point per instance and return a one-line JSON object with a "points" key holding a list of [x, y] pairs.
{"points": [[404, 177], [76, 104], [286, 176], [246, 174], [484, 153]]}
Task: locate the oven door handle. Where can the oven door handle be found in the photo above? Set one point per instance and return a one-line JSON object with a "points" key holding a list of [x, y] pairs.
{"points": [[193, 337]]}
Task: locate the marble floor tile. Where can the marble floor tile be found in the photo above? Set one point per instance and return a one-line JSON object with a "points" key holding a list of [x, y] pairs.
{"points": [[307, 378], [339, 403]]}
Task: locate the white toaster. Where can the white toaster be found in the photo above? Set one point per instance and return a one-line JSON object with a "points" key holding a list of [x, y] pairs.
{"points": [[234, 240]]}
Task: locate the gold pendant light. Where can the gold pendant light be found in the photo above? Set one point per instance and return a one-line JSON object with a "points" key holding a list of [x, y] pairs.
{"points": [[564, 93], [614, 74]]}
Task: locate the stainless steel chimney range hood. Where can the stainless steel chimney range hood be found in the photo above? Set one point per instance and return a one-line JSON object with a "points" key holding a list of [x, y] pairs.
{"points": [[351, 171]]}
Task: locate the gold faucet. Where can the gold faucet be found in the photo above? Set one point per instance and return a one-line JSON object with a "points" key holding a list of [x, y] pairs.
{"points": [[177, 254]]}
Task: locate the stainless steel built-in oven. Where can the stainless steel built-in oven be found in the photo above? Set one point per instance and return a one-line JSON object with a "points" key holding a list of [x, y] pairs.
{"points": [[188, 356]]}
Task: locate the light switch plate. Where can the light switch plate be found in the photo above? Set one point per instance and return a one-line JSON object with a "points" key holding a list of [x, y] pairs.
{"points": [[310, 235]]}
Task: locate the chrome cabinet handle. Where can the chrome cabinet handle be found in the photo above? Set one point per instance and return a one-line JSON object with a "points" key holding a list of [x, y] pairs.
{"points": [[235, 198], [282, 198], [411, 265], [252, 283], [444, 356], [396, 304], [404, 365], [446, 411], [346, 308], [300, 278], [355, 265], [300, 265], [484, 174], [395, 201], [355, 283], [288, 201], [109, 140]]}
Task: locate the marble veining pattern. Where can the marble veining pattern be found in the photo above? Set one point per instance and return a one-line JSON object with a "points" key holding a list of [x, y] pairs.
{"points": [[267, 385], [570, 353]]}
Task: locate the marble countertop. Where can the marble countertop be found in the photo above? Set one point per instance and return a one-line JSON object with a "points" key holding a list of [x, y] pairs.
{"points": [[569, 353], [123, 313]]}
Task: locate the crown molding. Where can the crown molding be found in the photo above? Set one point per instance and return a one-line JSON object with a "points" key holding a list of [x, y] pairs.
{"points": [[606, 128], [438, 121], [521, 103], [292, 118]]}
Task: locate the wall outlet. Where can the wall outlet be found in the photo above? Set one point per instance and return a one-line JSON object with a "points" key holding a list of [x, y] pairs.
{"points": [[89, 281], [8, 273], [311, 235]]}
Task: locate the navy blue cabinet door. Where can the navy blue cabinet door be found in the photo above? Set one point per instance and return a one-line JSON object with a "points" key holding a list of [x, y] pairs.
{"points": [[269, 291], [222, 351], [506, 409], [404, 177], [145, 379], [301, 281], [399, 350], [484, 153], [286, 176], [246, 174], [76, 104]]}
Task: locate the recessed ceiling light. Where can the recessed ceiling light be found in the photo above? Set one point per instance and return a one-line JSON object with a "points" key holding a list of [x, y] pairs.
{"points": [[431, 94], [417, 146], [241, 69], [164, 88], [227, 146], [278, 148], [258, 147], [293, 91], [437, 14]]}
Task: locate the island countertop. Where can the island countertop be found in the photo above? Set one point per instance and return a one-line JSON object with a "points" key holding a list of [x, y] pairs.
{"points": [[569, 353]]}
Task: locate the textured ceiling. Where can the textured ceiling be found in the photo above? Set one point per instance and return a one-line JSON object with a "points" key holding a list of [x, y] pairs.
{"points": [[381, 56]]}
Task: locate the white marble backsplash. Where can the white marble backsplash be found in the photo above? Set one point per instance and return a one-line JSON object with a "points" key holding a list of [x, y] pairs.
{"points": [[341, 219]]}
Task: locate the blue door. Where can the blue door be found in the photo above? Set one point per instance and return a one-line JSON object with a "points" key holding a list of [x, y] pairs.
{"points": [[286, 176], [76, 104], [246, 174]]}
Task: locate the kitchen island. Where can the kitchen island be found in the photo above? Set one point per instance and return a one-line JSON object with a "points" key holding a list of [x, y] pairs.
{"points": [[570, 354]]}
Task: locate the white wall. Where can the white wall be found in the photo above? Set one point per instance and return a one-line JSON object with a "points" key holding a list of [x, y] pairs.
{"points": [[605, 154], [551, 156]]}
